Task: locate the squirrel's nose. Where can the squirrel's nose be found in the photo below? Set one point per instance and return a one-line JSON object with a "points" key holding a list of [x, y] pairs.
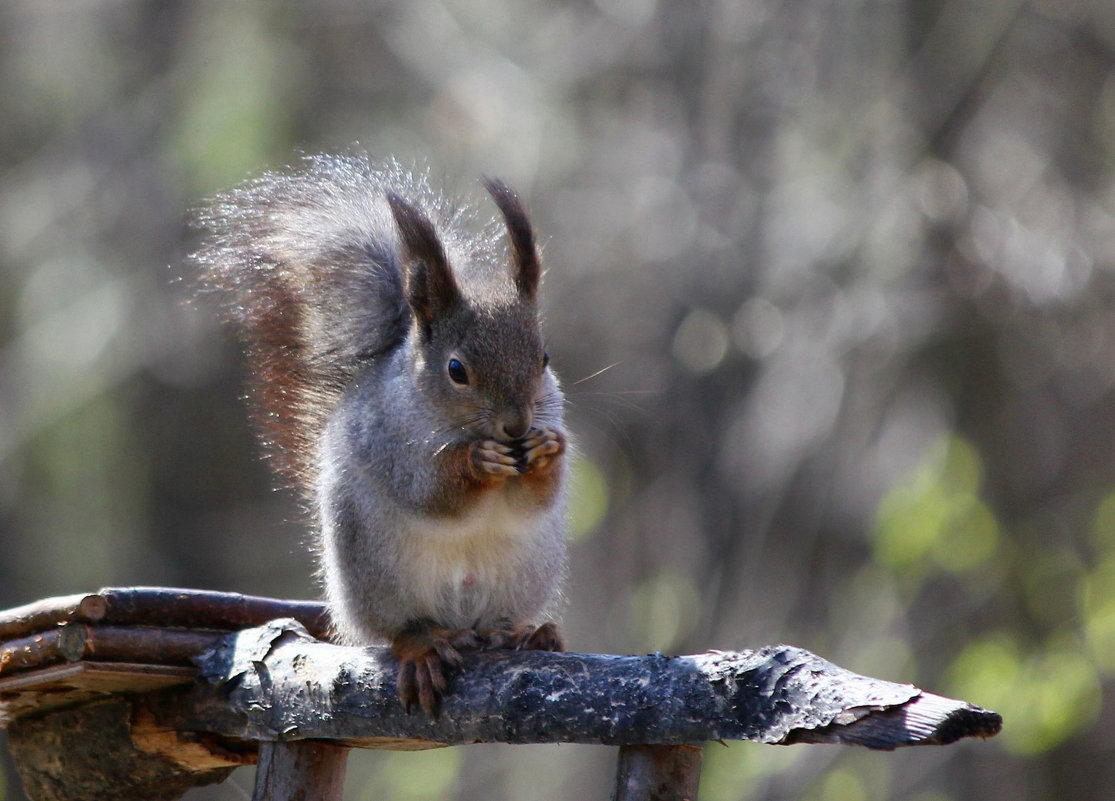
{"points": [[515, 424]]}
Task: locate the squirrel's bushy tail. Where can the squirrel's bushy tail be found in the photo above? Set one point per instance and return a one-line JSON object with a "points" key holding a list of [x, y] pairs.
{"points": [[305, 265]]}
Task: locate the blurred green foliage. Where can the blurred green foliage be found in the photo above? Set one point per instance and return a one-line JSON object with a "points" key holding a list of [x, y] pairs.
{"points": [[937, 521], [830, 287], [589, 498], [233, 109], [1050, 693], [413, 777]]}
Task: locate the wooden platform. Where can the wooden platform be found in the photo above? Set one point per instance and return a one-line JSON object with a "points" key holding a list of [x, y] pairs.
{"points": [[149, 691], [70, 650]]}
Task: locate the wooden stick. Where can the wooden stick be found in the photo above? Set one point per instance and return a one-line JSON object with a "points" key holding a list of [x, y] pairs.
{"points": [[277, 683], [658, 773], [139, 644], [160, 606], [46, 614], [76, 641], [301, 771], [28, 653]]}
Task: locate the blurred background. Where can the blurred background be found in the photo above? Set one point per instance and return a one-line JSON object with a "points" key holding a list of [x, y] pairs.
{"points": [[830, 286]]}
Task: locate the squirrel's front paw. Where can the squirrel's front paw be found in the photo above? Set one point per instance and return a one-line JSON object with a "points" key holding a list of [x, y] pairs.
{"points": [[492, 459], [425, 653], [538, 451]]}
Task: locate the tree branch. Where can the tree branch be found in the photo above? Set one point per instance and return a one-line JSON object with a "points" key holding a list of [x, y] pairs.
{"points": [[276, 683], [160, 606]]}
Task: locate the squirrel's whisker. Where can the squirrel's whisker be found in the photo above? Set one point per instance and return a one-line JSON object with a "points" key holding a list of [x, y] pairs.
{"points": [[599, 372]]}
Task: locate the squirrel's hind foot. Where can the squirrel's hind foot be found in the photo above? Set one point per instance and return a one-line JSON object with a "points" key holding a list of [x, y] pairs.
{"points": [[546, 637], [426, 653]]}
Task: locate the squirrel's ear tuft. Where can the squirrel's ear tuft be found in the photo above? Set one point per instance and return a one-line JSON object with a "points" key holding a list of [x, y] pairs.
{"points": [[527, 270], [431, 290]]}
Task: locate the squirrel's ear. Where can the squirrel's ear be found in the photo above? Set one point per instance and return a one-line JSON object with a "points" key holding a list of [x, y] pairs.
{"points": [[527, 268], [431, 290]]}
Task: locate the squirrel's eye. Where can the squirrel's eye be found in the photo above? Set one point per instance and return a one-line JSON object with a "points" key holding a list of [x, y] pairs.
{"points": [[457, 372], [545, 360]]}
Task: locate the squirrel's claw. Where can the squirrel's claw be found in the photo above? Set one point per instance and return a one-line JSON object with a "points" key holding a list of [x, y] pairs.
{"points": [[421, 682], [491, 458], [546, 637], [539, 448], [534, 453], [425, 655]]}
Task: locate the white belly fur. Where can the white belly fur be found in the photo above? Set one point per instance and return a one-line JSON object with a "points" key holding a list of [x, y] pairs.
{"points": [[461, 568]]}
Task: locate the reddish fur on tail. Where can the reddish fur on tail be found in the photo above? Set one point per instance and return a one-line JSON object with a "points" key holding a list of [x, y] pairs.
{"points": [[305, 265]]}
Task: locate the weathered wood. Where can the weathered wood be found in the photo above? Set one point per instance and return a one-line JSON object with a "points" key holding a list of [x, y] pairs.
{"points": [[138, 644], [302, 702], [658, 773], [32, 651], [89, 754], [163, 607], [73, 683], [76, 641], [73, 642], [48, 613], [300, 771], [160, 606], [275, 683]]}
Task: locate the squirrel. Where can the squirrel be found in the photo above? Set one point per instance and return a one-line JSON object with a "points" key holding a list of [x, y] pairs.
{"points": [[400, 381]]}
